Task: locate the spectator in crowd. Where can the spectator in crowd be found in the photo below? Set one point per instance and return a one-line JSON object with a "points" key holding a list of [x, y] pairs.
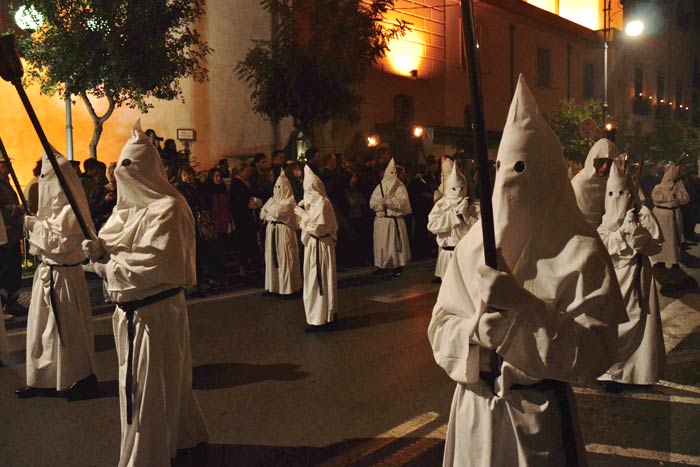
{"points": [[220, 217], [89, 178], [104, 198], [224, 168], [278, 162], [171, 171], [383, 158], [10, 256], [262, 177], [314, 160], [169, 152], [691, 211], [420, 193], [295, 176], [188, 186], [356, 204], [154, 139], [31, 191], [243, 203], [76, 167]]}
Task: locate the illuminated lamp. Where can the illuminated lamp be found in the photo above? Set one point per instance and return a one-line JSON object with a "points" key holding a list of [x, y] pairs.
{"points": [[417, 131], [634, 28], [28, 19], [373, 141]]}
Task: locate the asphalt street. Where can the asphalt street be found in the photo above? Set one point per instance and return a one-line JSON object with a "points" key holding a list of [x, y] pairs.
{"points": [[367, 392]]}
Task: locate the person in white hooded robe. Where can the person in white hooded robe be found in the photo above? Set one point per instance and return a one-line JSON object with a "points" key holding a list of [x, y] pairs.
{"points": [[589, 183], [631, 234], [446, 165], [282, 266], [60, 347], [146, 255], [668, 196], [512, 340], [390, 204], [451, 218], [319, 231]]}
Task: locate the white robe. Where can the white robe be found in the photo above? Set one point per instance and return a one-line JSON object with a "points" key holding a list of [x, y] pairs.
{"points": [[319, 238], [392, 248], [448, 228], [589, 187], [150, 241], [281, 226], [52, 363], [641, 356], [667, 203]]}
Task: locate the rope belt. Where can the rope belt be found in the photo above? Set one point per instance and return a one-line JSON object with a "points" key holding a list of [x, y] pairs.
{"points": [[448, 248], [273, 242], [52, 295], [129, 308], [319, 277]]}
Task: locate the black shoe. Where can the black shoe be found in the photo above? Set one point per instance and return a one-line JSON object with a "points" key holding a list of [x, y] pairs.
{"points": [[28, 392], [397, 272], [437, 280], [379, 271], [613, 387], [311, 328], [86, 388]]}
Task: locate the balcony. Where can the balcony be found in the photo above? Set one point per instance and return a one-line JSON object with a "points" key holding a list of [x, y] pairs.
{"points": [[662, 111]]}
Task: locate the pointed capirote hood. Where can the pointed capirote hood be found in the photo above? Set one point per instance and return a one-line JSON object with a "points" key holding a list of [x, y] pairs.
{"points": [[390, 172], [283, 188], [455, 184], [53, 200], [532, 194], [602, 149], [312, 184], [618, 195], [140, 173], [667, 181], [445, 169]]}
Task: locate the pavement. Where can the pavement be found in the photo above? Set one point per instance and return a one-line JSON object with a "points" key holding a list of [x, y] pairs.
{"points": [[366, 393]]}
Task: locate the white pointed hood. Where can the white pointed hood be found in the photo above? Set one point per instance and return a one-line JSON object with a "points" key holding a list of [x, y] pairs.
{"points": [[313, 186], [390, 181], [53, 203], [140, 174], [669, 174], [618, 194], [532, 191], [602, 149], [455, 184], [283, 188], [446, 167]]}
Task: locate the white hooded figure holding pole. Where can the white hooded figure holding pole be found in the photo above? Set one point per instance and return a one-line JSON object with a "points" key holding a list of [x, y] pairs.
{"points": [[668, 197], [60, 347], [146, 255], [631, 234], [589, 183], [451, 218], [390, 203], [282, 266], [319, 231], [513, 340]]}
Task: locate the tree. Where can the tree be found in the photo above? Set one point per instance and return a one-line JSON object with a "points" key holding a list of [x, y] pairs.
{"points": [[319, 54], [565, 122], [124, 51]]}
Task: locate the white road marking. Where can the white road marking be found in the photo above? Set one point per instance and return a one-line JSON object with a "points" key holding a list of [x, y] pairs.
{"points": [[643, 396], [367, 448], [406, 293], [679, 319], [643, 454], [415, 449]]}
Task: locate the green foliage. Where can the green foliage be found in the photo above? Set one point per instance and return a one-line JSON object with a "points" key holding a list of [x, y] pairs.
{"points": [[125, 51], [312, 68], [566, 120], [671, 138]]}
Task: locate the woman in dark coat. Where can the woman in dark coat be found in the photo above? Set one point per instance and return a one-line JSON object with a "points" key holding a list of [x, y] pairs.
{"points": [[244, 204]]}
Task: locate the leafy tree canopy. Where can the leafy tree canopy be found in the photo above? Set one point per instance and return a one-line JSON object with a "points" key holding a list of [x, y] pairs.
{"points": [[565, 122], [125, 51], [312, 67]]}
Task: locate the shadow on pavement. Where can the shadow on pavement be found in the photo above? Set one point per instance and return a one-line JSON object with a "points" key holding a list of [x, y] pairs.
{"points": [[428, 454], [229, 375], [674, 282], [689, 260], [348, 323]]}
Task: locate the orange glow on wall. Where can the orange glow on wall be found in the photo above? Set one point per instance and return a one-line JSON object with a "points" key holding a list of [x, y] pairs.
{"points": [[587, 13], [405, 55]]}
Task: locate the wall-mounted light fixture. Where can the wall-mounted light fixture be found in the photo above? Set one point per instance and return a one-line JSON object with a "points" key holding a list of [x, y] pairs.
{"points": [[373, 141], [414, 74]]}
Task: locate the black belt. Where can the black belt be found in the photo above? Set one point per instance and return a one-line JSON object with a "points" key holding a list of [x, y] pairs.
{"points": [[567, 411], [319, 277], [129, 308], [669, 209], [273, 242], [448, 248], [52, 296]]}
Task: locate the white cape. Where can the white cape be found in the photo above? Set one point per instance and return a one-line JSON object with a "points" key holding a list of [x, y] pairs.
{"points": [[150, 239], [391, 204], [566, 332], [53, 361]]}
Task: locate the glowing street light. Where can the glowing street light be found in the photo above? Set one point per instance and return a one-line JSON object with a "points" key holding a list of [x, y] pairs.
{"points": [[634, 28], [417, 131], [28, 19], [373, 141]]}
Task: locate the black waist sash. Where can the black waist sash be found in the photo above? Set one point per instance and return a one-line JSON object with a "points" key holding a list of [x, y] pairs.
{"points": [[52, 296], [448, 248], [567, 411], [129, 308], [273, 242], [667, 208], [319, 276]]}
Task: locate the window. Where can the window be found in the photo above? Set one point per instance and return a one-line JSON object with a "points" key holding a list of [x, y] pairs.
{"points": [[638, 82], [588, 81], [544, 76], [659, 89], [679, 95]]}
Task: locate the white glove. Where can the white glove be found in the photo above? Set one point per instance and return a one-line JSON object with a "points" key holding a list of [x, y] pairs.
{"points": [[499, 290], [492, 328], [629, 224], [30, 222], [301, 213], [95, 250], [392, 203], [254, 203]]}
